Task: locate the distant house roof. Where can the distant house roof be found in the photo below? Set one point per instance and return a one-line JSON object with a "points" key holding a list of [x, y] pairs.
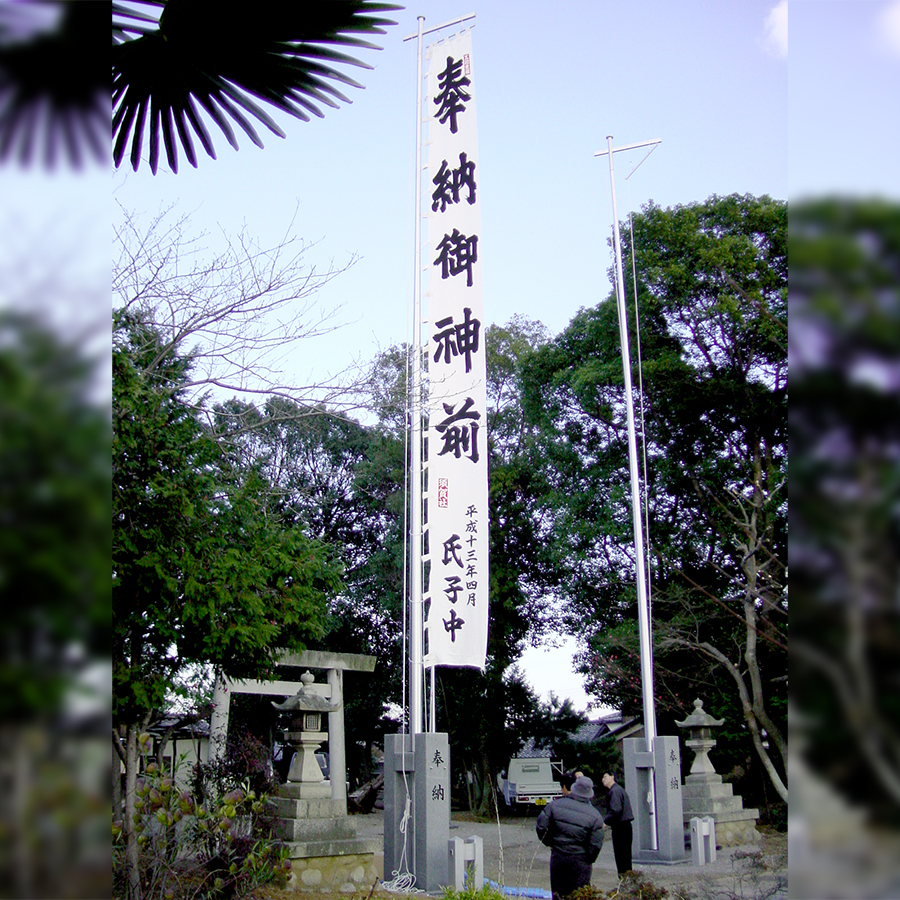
{"points": [[530, 751], [181, 727], [586, 733], [612, 725]]}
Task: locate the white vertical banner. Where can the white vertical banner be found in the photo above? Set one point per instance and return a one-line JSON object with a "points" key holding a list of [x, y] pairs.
{"points": [[456, 599]]}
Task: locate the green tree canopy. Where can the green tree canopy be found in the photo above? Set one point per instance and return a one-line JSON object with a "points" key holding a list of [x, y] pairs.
{"points": [[845, 532], [204, 570], [54, 483], [712, 290], [341, 483]]}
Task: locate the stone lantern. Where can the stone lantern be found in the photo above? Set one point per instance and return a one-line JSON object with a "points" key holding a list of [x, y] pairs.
{"points": [[306, 735], [700, 724], [705, 794]]}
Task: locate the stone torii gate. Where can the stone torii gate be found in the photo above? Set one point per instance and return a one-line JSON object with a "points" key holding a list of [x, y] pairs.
{"points": [[335, 664]]}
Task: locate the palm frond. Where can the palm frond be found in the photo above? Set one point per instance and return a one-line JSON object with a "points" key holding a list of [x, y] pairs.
{"points": [[222, 56], [54, 85]]}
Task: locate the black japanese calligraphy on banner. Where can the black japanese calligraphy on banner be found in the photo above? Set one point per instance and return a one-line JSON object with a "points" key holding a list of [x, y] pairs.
{"points": [[461, 338], [450, 183], [452, 96], [459, 431], [457, 253], [457, 482]]}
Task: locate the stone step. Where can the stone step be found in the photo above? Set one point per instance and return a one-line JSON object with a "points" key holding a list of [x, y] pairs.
{"points": [[732, 815], [707, 790], [703, 806], [308, 809], [703, 778], [335, 829], [306, 790], [309, 849]]}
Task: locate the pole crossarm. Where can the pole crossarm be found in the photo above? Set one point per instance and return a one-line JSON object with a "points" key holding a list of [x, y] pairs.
{"points": [[628, 147], [448, 24]]}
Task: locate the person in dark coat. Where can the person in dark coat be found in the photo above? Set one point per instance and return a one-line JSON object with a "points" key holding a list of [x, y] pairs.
{"points": [[573, 830], [566, 780], [619, 817]]}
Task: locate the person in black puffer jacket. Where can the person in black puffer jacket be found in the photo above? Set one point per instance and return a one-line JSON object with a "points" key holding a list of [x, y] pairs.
{"points": [[619, 817], [573, 830]]}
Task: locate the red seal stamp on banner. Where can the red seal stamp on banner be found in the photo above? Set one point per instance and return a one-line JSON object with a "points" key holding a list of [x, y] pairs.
{"points": [[443, 492]]}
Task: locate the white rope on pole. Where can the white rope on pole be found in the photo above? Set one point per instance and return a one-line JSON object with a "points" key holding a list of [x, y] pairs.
{"points": [[403, 881]]}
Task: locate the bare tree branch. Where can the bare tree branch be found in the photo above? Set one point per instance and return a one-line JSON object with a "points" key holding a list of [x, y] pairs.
{"points": [[238, 313]]}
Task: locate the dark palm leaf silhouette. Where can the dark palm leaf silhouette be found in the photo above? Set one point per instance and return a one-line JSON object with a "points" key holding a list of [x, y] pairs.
{"points": [[215, 58], [54, 84]]}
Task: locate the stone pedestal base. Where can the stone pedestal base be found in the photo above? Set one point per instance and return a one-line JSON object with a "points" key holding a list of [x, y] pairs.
{"points": [[348, 874], [735, 832], [325, 853], [707, 795]]}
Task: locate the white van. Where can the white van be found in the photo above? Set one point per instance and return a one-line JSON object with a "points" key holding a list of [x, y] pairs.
{"points": [[530, 781]]}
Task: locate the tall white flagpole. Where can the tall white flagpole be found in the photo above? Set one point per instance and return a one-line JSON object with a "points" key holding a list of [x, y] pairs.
{"points": [[643, 604], [416, 624]]}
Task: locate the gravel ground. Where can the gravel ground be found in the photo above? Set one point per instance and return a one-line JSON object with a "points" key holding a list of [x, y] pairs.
{"points": [[514, 857]]}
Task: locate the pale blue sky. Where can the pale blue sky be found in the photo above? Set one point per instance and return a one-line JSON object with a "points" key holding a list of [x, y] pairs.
{"points": [[551, 83], [734, 112], [843, 112]]}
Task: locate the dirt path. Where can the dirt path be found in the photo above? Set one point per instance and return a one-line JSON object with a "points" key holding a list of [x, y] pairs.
{"points": [[514, 858]]}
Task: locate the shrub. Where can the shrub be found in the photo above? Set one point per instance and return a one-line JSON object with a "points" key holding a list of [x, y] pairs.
{"points": [[632, 886], [472, 893], [199, 845]]}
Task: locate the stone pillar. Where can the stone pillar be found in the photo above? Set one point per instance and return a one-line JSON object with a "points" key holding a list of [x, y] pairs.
{"points": [[703, 840], [462, 853], [417, 769], [655, 777], [399, 765], [337, 761], [432, 810]]}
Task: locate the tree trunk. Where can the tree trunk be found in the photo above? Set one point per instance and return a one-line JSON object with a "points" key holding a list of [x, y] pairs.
{"points": [[132, 851], [118, 761], [470, 777], [749, 717], [750, 566], [17, 758], [486, 804]]}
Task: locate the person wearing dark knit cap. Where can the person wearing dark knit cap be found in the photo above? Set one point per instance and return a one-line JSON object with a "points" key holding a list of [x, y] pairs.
{"points": [[573, 830]]}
